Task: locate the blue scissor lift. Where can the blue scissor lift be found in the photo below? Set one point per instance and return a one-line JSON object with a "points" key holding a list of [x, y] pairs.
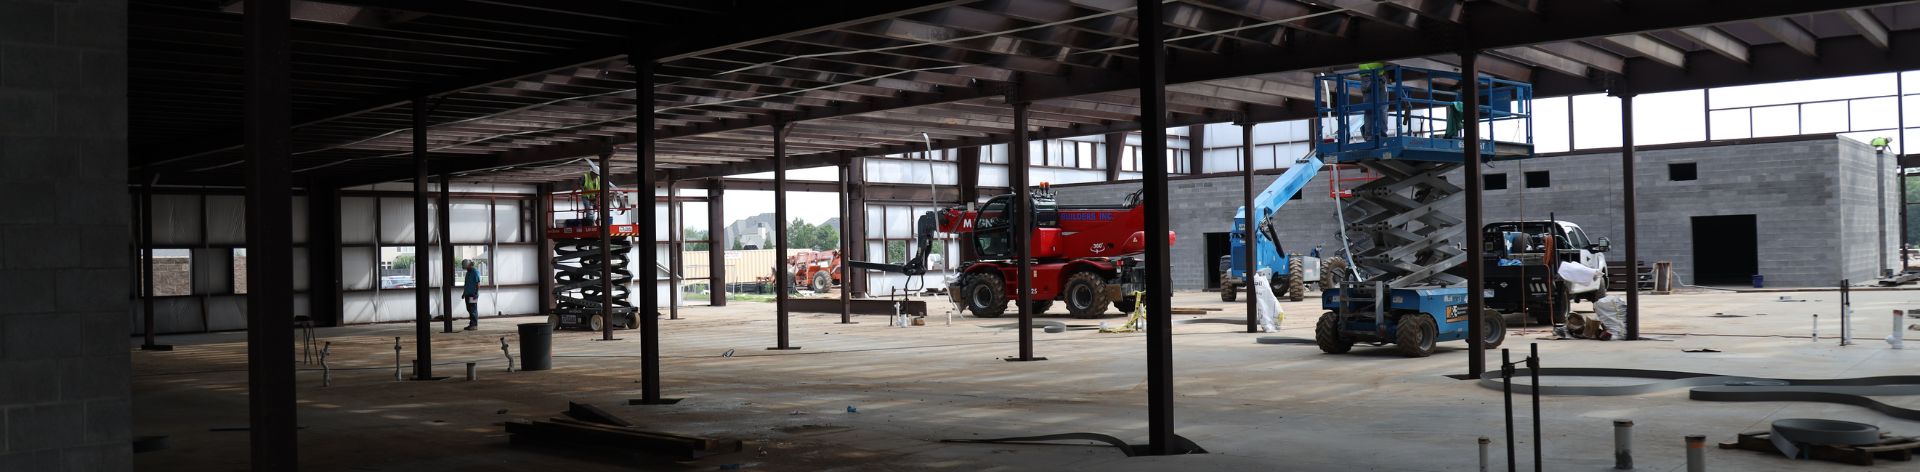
{"points": [[1403, 123]]}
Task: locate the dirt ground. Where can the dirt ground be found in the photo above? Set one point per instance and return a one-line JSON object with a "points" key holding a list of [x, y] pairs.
{"points": [[1253, 406]]}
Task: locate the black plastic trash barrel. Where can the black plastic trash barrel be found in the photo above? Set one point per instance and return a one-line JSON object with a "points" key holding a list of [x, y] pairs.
{"points": [[536, 346]]}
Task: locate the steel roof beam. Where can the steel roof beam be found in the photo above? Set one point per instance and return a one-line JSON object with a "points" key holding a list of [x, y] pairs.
{"points": [[1868, 27], [1719, 42], [1545, 60], [1791, 34], [1651, 48]]}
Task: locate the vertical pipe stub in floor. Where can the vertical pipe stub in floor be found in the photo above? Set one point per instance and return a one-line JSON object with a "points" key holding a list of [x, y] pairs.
{"points": [[1484, 442], [1623, 444], [1696, 453]]}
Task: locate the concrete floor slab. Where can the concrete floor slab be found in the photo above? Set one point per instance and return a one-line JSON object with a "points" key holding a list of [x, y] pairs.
{"points": [[1253, 406]]}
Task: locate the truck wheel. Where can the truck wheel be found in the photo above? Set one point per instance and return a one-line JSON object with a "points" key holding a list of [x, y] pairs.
{"points": [[1039, 307], [1416, 334], [1326, 333], [821, 282], [1493, 329], [986, 294], [1086, 295], [1296, 278], [1228, 292], [1333, 270], [596, 323]]}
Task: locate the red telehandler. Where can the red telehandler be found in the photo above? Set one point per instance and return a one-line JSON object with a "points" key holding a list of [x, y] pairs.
{"points": [[1086, 256]]}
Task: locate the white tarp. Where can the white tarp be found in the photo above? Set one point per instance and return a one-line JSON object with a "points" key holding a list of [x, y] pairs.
{"points": [[1267, 311]]}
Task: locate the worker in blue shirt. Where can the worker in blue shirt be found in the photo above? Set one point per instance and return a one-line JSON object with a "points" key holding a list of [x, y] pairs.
{"points": [[472, 295]]}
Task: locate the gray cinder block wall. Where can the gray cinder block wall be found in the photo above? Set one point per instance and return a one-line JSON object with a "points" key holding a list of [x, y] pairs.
{"points": [[1814, 202], [64, 209]]}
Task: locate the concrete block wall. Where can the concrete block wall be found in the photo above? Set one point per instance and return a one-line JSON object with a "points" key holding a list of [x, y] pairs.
{"points": [[1813, 200], [64, 210], [1868, 185]]}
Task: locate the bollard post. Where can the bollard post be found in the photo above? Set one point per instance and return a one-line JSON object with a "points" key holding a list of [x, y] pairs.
{"points": [[1696, 453], [1484, 442], [1506, 381], [396, 360], [326, 374], [1533, 370], [1846, 314], [509, 353], [1895, 338], [1623, 444], [473, 371]]}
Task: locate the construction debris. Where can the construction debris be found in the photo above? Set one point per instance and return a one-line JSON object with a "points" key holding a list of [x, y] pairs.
{"points": [[593, 414], [1902, 278], [1888, 448], [567, 432], [590, 426]]}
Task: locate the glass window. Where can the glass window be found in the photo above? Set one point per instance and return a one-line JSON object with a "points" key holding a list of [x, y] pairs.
{"points": [[172, 272], [397, 266], [239, 270]]}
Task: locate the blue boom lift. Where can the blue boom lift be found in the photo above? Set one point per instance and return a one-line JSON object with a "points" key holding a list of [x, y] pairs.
{"points": [[1291, 271], [1403, 124]]}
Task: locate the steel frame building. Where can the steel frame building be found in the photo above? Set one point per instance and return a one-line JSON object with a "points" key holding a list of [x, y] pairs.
{"points": [[271, 96]]}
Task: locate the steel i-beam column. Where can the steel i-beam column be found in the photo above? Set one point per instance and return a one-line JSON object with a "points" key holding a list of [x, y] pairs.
{"points": [[270, 393], [422, 247], [1153, 140], [1018, 164], [543, 211], [603, 210], [717, 243], [446, 253], [1629, 212], [1116, 145], [674, 248], [846, 242], [146, 267], [967, 168], [646, 160], [782, 279], [1476, 274], [1252, 249], [1900, 169]]}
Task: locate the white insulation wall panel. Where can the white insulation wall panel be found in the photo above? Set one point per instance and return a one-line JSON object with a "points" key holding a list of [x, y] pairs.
{"points": [[299, 212], [469, 221], [508, 223], [515, 265], [300, 272], [176, 315], [226, 219], [356, 220], [356, 268], [993, 175], [357, 308], [911, 171], [1065, 176], [396, 220], [176, 219], [227, 312]]}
